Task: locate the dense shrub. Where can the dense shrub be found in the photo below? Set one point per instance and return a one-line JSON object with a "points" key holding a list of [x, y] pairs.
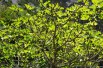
{"points": [[50, 36]]}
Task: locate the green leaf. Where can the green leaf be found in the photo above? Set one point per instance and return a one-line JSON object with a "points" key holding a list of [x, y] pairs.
{"points": [[29, 7], [84, 17]]}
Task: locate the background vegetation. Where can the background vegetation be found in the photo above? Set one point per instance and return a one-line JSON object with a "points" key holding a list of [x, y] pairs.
{"points": [[51, 35]]}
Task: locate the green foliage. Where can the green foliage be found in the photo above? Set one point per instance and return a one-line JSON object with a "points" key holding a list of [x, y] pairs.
{"points": [[50, 36], [2, 8]]}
